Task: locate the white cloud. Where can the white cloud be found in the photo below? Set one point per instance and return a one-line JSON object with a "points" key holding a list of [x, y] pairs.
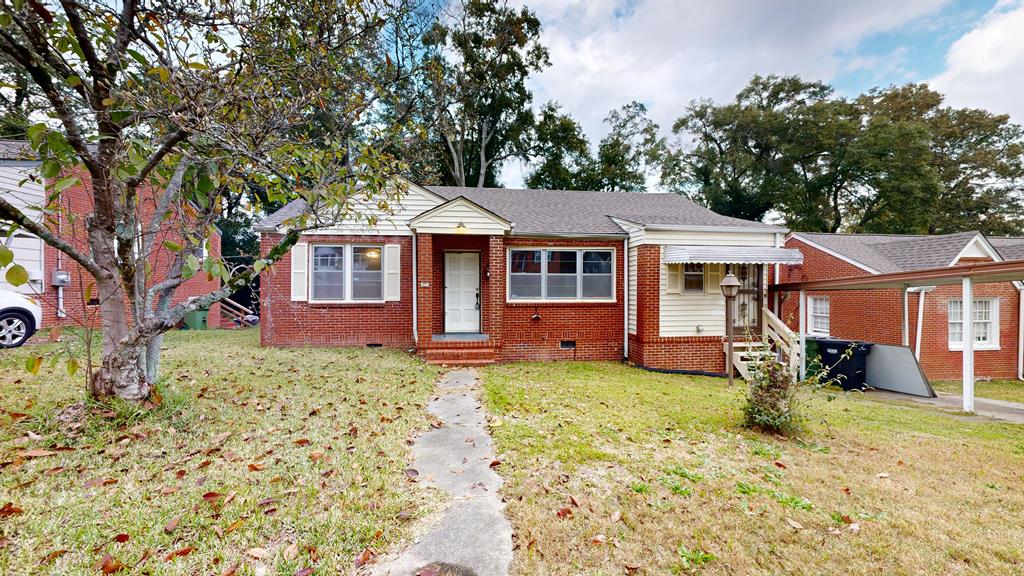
{"points": [[985, 66], [665, 53]]}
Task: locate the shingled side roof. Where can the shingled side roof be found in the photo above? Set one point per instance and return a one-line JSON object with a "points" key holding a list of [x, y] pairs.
{"points": [[892, 252]]}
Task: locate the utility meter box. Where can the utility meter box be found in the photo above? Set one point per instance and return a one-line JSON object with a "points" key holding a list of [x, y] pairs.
{"points": [[61, 278]]}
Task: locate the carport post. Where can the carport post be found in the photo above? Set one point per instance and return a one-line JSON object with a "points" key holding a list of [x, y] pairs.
{"points": [[905, 316], [803, 335], [967, 308]]}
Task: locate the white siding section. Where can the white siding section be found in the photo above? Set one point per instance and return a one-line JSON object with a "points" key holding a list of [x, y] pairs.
{"points": [[396, 223], [709, 238], [28, 250], [682, 314], [445, 219]]}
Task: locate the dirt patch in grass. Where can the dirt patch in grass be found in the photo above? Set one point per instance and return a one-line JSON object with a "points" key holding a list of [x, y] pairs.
{"points": [[272, 460], [1010, 390], [614, 470]]}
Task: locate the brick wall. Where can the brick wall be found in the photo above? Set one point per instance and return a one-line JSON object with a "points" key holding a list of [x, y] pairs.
{"points": [[875, 315], [68, 222], [287, 323], [535, 331]]}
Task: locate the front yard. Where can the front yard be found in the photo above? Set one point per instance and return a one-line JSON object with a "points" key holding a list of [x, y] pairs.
{"points": [[613, 470], [1010, 390], [257, 461]]}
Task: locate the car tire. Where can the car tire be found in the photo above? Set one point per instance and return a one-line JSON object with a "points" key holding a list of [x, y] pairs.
{"points": [[15, 329]]}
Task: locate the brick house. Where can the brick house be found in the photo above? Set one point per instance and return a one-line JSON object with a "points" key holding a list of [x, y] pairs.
{"points": [[478, 275], [933, 314], [67, 305]]}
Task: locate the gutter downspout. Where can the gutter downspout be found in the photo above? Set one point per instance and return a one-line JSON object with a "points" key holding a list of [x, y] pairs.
{"points": [[415, 282], [625, 299], [921, 291], [775, 271], [1020, 335]]}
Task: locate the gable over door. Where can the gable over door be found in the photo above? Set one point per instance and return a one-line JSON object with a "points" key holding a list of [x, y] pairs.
{"points": [[462, 292]]}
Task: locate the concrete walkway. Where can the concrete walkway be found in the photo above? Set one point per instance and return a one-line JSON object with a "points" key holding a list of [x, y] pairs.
{"points": [[985, 407], [472, 536]]}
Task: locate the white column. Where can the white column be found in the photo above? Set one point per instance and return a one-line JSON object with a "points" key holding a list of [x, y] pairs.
{"points": [[920, 322], [803, 335], [905, 316], [968, 322]]}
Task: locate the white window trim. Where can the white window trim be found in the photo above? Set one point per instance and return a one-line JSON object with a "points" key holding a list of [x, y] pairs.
{"points": [[348, 273], [543, 276], [992, 344], [811, 315]]}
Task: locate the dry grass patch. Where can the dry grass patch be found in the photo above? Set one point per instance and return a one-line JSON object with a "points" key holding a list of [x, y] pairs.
{"points": [[258, 460], [614, 470]]}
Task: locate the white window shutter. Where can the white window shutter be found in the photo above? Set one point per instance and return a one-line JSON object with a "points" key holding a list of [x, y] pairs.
{"points": [[392, 272], [673, 281], [713, 278], [300, 271]]}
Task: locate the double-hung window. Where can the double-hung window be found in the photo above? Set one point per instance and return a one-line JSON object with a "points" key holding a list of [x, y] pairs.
{"points": [[986, 323], [346, 272], [819, 309], [561, 274], [693, 278]]}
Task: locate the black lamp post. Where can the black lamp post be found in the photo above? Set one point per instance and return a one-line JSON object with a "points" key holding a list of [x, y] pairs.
{"points": [[730, 288]]}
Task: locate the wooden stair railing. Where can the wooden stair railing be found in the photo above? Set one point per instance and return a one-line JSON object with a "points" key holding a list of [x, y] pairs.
{"points": [[779, 341], [235, 312]]}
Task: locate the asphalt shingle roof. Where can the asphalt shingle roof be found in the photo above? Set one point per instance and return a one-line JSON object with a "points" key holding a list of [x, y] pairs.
{"points": [[570, 211], [578, 212], [1009, 247], [895, 253]]}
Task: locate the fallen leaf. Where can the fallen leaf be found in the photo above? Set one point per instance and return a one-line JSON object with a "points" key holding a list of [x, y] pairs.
{"points": [[230, 569], [365, 557], [599, 540], [304, 572], [316, 456], [258, 553], [292, 551], [302, 442], [36, 453], [212, 496], [121, 538], [110, 565], [616, 516], [411, 473], [495, 463], [794, 524], [234, 526], [9, 509], [780, 465], [883, 474], [170, 526], [255, 467], [53, 556], [179, 553], [564, 512], [854, 527]]}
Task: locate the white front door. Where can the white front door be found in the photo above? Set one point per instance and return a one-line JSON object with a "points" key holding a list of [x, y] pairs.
{"points": [[462, 292]]}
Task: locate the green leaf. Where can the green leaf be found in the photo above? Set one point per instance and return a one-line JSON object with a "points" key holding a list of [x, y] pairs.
{"points": [[35, 133], [88, 291], [50, 168], [172, 246], [72, 365], [33, 364], [65, 183], [16, 275], [73, 81], [6, 256], [163, 73]]}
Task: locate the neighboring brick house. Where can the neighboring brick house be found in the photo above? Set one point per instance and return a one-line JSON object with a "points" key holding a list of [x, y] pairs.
{"points": [[477, 275], [67, 305], [876, 315]]}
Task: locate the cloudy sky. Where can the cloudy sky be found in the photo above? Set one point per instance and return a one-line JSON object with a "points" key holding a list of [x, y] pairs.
{"points": [[665, 53]]}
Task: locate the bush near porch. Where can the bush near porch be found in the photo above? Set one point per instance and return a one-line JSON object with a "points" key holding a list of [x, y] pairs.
{"points": [[614, 470], [260, 460]]}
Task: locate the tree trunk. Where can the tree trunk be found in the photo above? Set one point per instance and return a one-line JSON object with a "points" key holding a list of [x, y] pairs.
{"points": [[121, 373]]}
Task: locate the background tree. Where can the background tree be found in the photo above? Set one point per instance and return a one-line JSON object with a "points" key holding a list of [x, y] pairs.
{"points": [[479, 56], [563, 157], [167, 110]]}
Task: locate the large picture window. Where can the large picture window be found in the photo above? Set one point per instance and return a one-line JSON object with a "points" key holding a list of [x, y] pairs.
{"points": [[561, 274], [347, 273], [986, 323]]}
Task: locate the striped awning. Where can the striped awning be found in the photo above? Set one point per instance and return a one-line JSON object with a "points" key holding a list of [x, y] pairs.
{"points": [[731, 255]]}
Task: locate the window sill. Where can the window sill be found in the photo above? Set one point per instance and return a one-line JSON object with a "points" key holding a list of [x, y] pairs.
{"points": [[560, 302], [977, 347], [345, 303]]}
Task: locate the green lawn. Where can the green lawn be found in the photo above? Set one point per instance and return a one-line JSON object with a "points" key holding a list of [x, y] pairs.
{"points": [[275, 460], [614, 470], [1012, 390]]}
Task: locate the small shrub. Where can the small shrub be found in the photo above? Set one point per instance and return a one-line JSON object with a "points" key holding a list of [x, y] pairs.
{"points": [[676, 487], [684, 473], [765, 451], [746, 488], [640, 488], [774, 393], [791, 501]]}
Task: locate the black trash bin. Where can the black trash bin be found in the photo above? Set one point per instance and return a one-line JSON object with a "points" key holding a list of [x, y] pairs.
{"points": [[849, 371]]}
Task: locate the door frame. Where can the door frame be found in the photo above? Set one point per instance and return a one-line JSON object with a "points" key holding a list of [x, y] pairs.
{"points": [[444, 291]]}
